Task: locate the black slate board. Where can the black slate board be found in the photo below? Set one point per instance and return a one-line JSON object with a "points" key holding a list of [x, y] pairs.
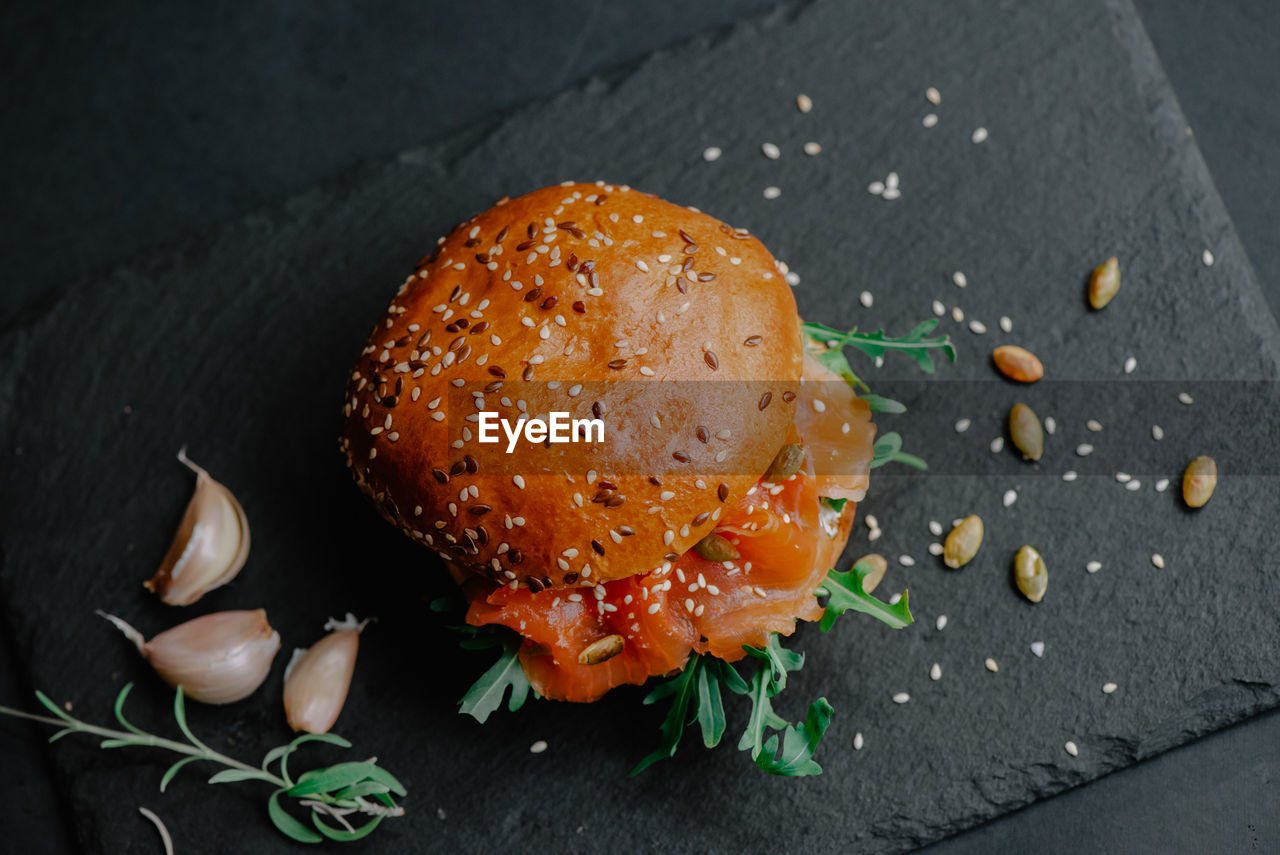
{"points": [[236, 344]]}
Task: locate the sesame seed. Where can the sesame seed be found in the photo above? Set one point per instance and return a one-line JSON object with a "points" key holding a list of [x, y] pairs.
{"points": [[1130, 364], [962, 425], [960, 279], [654, 608], [1010, 496], [871, 521], [979, 135], [1157, 560], [812, 148], [977, 327], [1108, 688], [1050, 425], [1157, 432], [1123, 477], [906, 561], [875, 188], [865, 299], [858, 741], [941, 623], [997, 445], [934, 97], [1084, 449], [772, 192], [1037, 649], [1185, 398], [938, 308], [1006, 324], [1093, 566], [935, 672], [804, 103], [929, 120], [1071, 749], [891, 181], [771, 151], [1207, 258], [874, 535], [957, 314], [1162, 485], [1070, 475], [538, 747], [935, 528], [1133, 486], [711, 153], [901, 698], [991, 665], [891, 193]]}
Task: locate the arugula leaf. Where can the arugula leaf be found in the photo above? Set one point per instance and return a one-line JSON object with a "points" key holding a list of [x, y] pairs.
{"points": [[486, 694], [888, 449], [845, 593], [836, 505], [684, 689], [881, 404], [876, 344], [799, 741]]}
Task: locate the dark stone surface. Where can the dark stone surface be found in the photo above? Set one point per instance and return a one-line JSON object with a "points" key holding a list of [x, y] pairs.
{"points": [[310, 248]]}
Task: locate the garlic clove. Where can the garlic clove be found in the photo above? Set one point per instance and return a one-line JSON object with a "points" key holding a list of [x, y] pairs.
{"points": [[210, 546], [317, 679], [217, 659]]}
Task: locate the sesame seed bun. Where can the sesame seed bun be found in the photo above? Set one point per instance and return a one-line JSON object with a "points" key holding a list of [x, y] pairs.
{"points": [[598, 300]]}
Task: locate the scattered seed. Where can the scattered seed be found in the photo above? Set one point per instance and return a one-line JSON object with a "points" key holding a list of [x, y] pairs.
{"points": [[1071, 749], [891, 193], [991, 665], [935, 672], [962, 425], [711, 153], [1199, 481], [935, 528], [963, 542], [875, 188], [1037, 649], [1093, 425], [1025, 430], [1130, 364], [1017, 363], [1162, 485], [1070, 475], [1010, 496], [1133, 486], [997, 445], [871, 521], [934, 97], [877, 566], [929, 120], [865, 299], [812, 148], [772, 192], [936, 548], [1108, 688], [1124, 477], [874, 535], [601, 650], [787, 462], [941, 623], [979, 135], [804, 103], [1157, 433], [1050, 425], [977, 327], [1030, 574], [1084, 449], [957, 314], [714, 547], [1158, 560], [1185, 398], [906, 561], [1093, 566], [1207, 258], [960, 279], [938, 308], [1006, 324], [901, 698], [771, 151], [858, 741], [538, 747], [1104, 282]]}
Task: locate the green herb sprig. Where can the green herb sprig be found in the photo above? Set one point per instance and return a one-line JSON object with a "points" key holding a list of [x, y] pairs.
{"points": [[334, 794], [507, 674], [915, 344]]}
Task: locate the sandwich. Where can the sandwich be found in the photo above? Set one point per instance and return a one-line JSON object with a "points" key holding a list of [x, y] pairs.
{"points": [[604, 414]]}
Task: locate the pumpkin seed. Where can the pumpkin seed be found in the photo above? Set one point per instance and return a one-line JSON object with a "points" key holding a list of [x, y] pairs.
{"points": [[713, 547], [963, 542], [786, 463], [878, 566], [1199, 481], [1030, 574], [1104, 283], [1025, 430], [602, 650], [1017, 363]]}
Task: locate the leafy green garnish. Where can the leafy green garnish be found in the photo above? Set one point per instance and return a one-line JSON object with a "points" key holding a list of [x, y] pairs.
{"points": [[888, 449], [836, 505], [881, 404], [845, 593], [876, 344], [486, 694], [336, 792], [695, 697]]}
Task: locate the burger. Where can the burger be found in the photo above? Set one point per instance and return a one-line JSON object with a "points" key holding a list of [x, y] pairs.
{"points": [[711, 453]]}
